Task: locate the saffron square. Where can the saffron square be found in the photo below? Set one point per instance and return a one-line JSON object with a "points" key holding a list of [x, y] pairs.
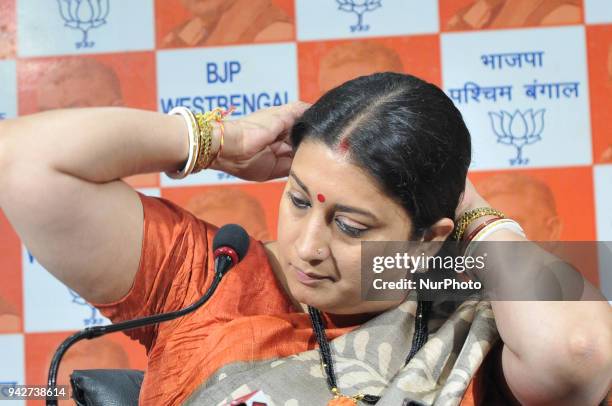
{"points": [[543, 201], [117, 79], [83, 27], [121, 79], [8, 90], [327, 64], [523, 94], [7, 29], [603, 201], [11, 288], [469, 15], [199, 23], [326, 19], [253, 206], [205, 177], [599, 41]]}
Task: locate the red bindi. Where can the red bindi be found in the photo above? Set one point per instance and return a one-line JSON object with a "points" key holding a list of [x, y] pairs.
{"points": [[343, 146], [321, 198]]}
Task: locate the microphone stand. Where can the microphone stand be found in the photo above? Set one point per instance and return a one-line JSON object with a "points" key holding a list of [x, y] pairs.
{"points": [[222, 265]]}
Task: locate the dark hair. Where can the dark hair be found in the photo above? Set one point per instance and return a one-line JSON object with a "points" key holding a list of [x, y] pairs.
{"points": [[406, 133]]}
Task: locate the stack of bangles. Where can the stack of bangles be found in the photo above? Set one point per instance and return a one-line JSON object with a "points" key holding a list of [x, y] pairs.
{"points": [[200, 130], [484, 230]]}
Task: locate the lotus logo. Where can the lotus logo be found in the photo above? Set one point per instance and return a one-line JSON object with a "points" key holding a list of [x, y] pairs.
{"points": [[93, 319], [359, 7], [518, 129], [84, 15]]}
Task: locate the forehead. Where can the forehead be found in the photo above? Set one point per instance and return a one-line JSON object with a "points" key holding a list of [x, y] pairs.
{"points": [[325, 171]]}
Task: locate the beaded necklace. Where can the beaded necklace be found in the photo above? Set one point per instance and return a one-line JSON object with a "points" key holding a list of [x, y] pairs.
{"points": [[418, 340]]}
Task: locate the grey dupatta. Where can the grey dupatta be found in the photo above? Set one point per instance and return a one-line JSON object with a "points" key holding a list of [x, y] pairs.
{"points": [[370, 359]]}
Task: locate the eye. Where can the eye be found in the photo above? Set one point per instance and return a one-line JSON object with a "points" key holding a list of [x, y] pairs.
{"points": [[353, 232], [297, 202]]}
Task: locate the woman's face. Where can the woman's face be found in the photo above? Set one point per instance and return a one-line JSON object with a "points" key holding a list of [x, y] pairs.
{"points": [[328, 207]]}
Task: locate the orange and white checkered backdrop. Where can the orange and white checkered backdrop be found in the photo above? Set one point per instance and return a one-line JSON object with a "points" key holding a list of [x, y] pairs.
{"points": [[533, 79]]}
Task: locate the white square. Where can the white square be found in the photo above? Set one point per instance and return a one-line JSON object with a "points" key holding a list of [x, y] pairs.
{"points": [[83, 27], [598, 11], [8, 89], [523, 93], [49, 305], [12, 368], [150, 191], [327, 19], [239, 76]]}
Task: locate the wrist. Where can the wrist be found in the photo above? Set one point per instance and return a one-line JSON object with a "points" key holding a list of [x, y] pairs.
{"points": [[179, 149], [220, 145], [477, 223], [216, 140]]}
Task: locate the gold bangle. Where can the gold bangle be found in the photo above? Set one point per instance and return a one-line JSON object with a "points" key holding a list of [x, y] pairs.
{"points": [[205, 128], [205, 134], [469, 216]]}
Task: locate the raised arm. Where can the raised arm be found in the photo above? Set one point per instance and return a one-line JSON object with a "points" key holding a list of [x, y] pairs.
{"points": [[555, 352], [60, 186], [60, 190]]}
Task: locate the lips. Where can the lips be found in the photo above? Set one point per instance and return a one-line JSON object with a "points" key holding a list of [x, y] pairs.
{"points": [[309, 278]]}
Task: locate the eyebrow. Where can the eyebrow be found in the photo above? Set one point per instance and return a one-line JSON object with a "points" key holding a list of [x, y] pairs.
{"points": [[337, 207], [299, 182]]}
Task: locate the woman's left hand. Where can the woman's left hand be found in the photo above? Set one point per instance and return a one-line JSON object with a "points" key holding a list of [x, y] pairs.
{"points": [[257, 147]]}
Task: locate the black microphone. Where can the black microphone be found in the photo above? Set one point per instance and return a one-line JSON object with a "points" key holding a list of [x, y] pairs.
{"points": [[230, 246]]}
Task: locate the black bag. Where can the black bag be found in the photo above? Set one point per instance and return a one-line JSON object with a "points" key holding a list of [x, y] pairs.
{"points": [[109, 387]]}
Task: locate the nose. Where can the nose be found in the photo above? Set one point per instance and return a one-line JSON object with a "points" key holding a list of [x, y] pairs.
{"points": [[313, 243]]}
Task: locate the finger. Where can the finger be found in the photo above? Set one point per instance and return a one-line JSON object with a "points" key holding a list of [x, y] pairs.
{"points": [[298, 108], [289, 113], [282, 149], [281, 169]]}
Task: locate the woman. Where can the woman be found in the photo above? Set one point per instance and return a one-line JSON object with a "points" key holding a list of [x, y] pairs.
{"points": [[380, 158]]}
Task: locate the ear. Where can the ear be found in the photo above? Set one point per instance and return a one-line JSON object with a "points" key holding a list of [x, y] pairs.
{"points": [[440, 230], [555, 226]]}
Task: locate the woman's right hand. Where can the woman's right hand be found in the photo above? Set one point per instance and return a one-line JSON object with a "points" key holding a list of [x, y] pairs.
{"points": [[257, 147]]}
